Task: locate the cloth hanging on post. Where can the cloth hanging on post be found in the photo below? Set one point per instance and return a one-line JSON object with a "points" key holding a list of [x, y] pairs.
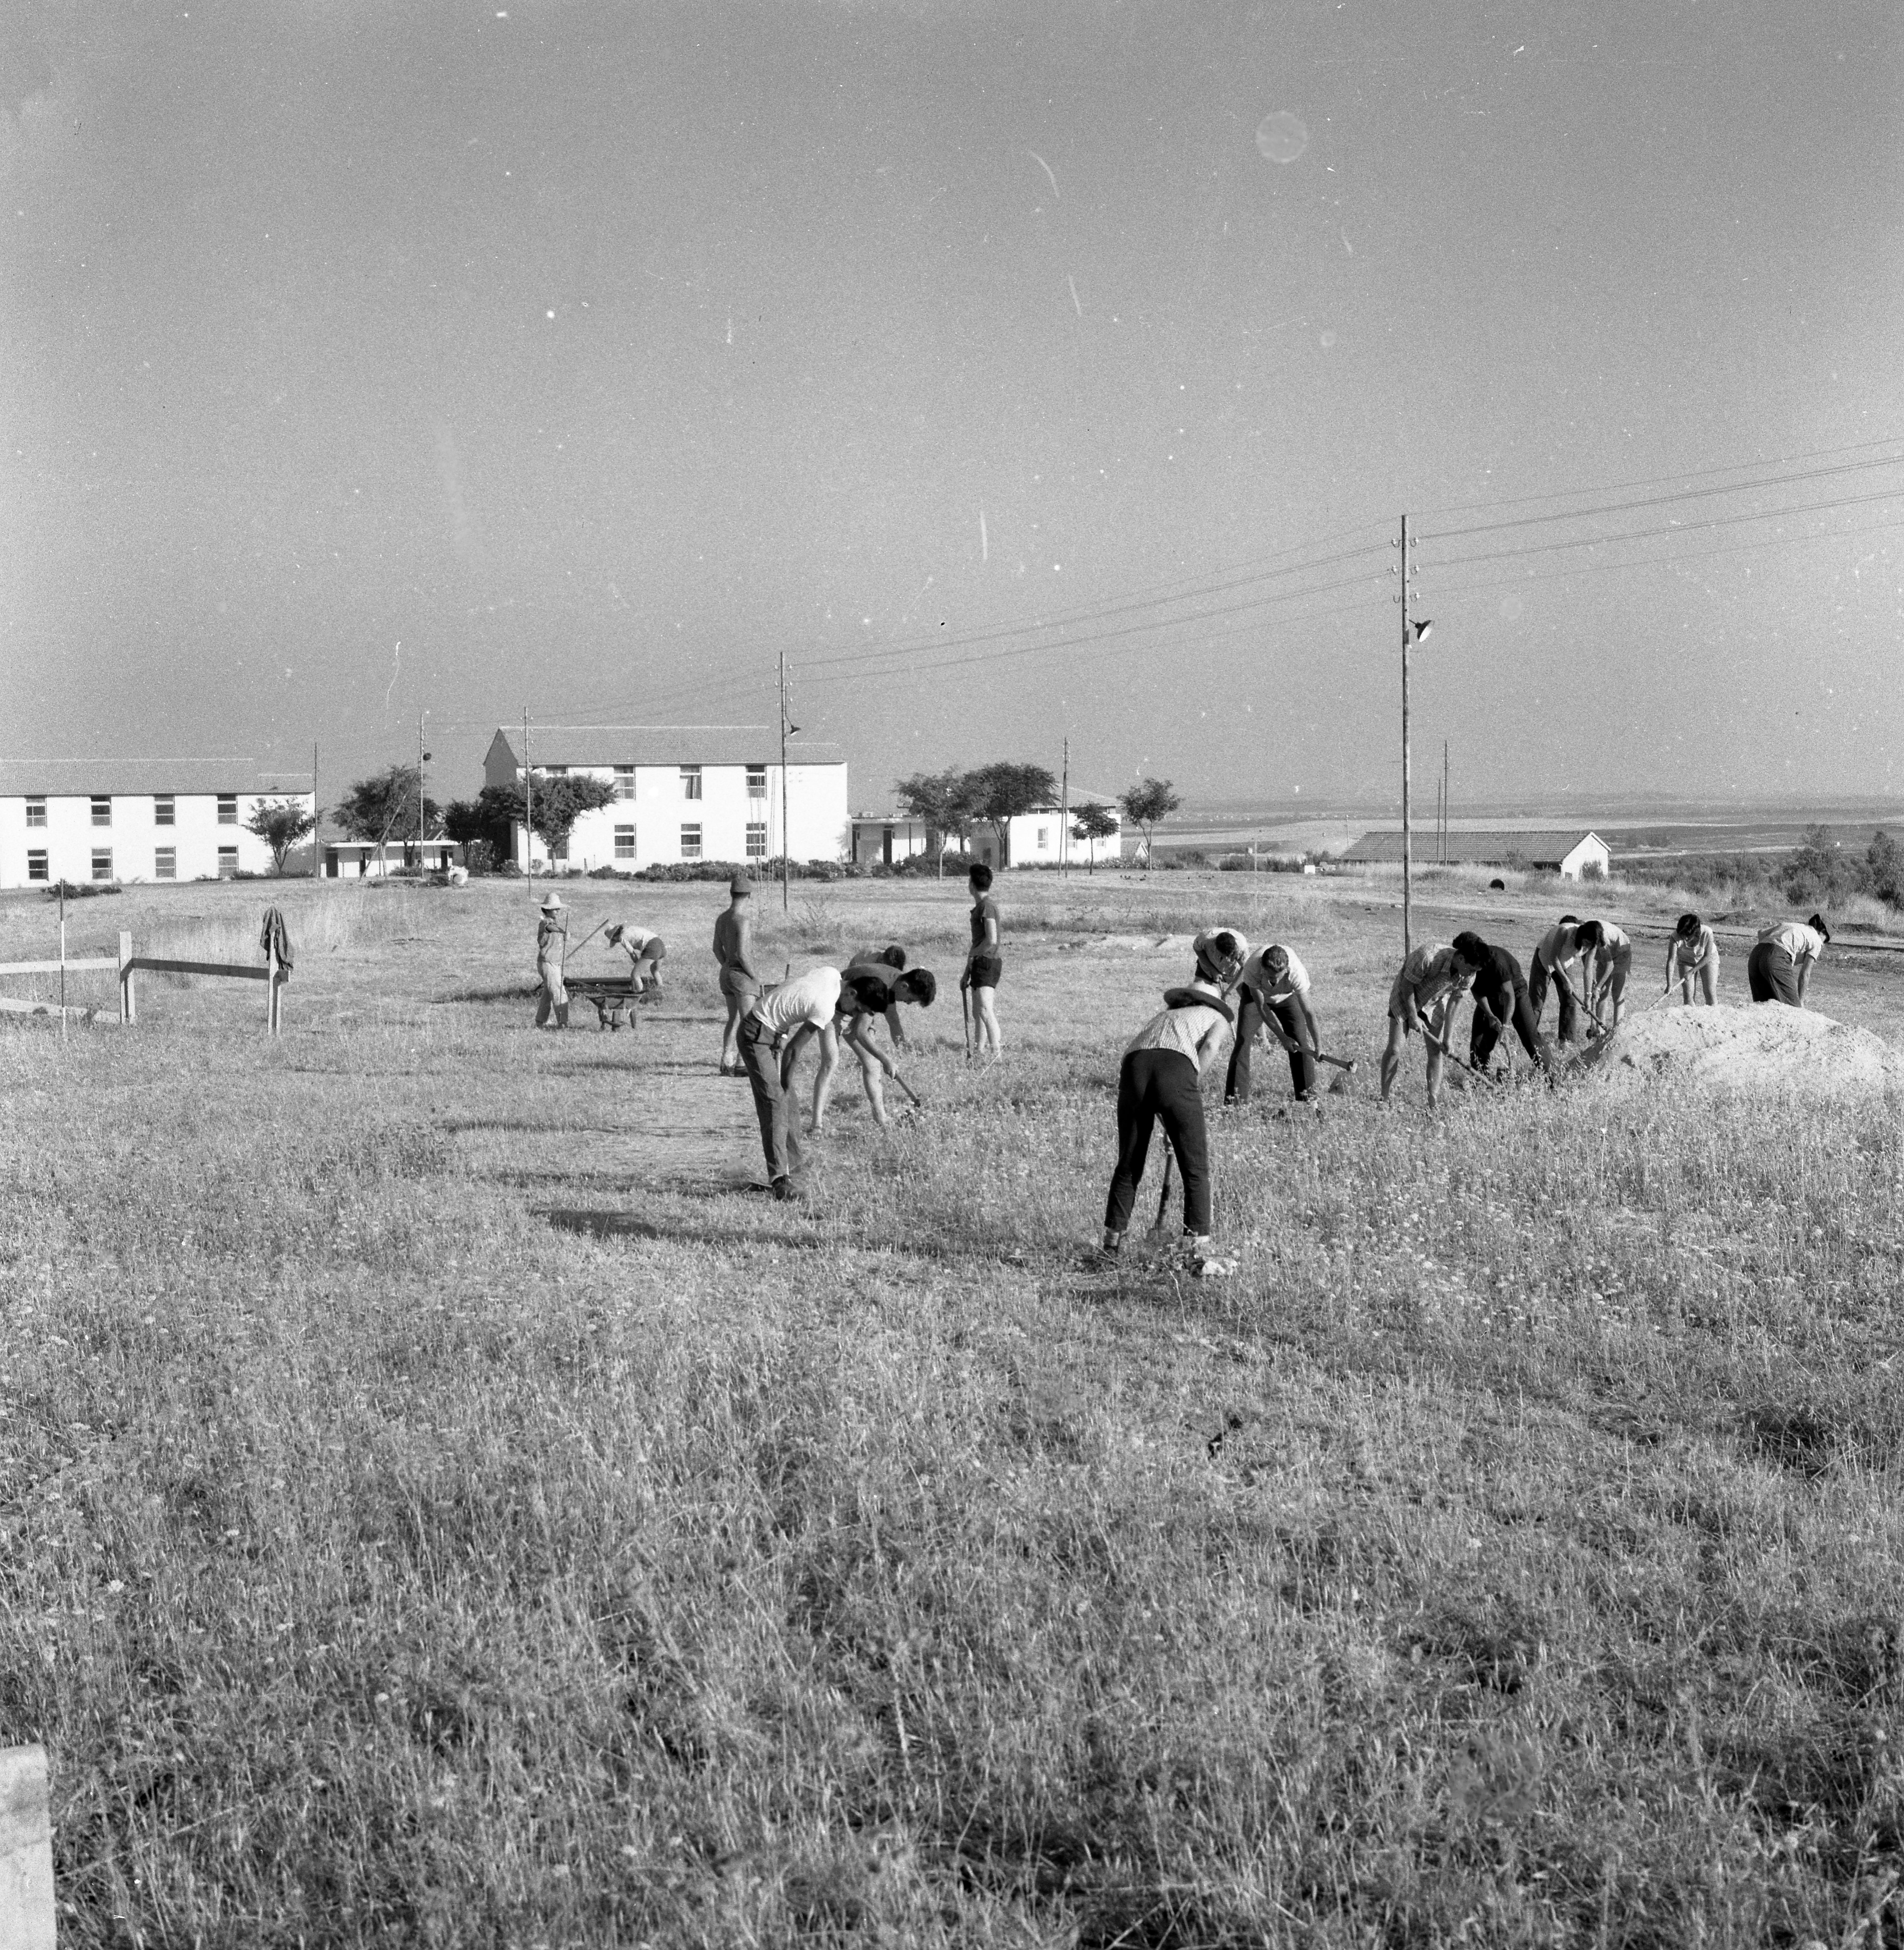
{"points": [[275, 938]]}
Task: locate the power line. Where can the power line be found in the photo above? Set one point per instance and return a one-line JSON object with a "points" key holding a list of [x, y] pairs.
{"points": [[1665, 480], [1664, 500], [1677, 528]]}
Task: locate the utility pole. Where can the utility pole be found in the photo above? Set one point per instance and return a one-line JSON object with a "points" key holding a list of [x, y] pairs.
{"points": [[1407, 810], [422, 758], [1064, 816], [528, 810], [785, 897], [317, 819], [1446, 809]]}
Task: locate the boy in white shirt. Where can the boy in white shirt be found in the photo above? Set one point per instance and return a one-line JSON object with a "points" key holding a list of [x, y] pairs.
{"points": [[1693, 954], [1558, 951], [1606, 961], [1779, 967], [1274, 989], [1423, 997], [777, 1025]]}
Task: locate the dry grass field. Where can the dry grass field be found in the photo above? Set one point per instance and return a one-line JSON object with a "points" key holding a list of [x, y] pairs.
{"points": [[442, 1502]]}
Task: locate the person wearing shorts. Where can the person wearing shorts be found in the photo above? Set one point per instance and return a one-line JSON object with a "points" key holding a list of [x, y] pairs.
{"points": [[779, 1022], [1779, 968], [1160, 1081], [734, 950], [1500, 1003], [1274, 989], [1606, 961], [1423, 997], [551, 942], [643, 950], [1559, 950], [892, 958], [984, 964], [868, 990], [1692, 955]]}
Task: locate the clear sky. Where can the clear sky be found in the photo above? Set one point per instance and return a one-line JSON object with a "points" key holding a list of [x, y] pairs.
{"points": [[595, 352]]}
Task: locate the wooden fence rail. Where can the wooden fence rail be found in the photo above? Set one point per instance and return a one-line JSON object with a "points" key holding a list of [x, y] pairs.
{"points": [[125, 964]]}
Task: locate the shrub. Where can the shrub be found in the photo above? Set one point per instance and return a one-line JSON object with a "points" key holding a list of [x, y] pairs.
{"points": [[82, 890]]}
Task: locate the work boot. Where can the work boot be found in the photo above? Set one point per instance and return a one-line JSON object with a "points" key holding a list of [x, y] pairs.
{"points": [[785, 1191]]}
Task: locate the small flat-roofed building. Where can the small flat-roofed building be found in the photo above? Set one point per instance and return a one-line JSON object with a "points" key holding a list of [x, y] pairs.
{"points": [[683, 793], [365, 860], [1034, 838], [135, 819], [1568, 851]]}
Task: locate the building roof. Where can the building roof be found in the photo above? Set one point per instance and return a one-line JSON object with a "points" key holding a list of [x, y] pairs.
{"points": [[1538, 846], [606, 745], [76, 778]]}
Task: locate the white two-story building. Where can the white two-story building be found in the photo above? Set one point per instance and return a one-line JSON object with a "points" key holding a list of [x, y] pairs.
{"points": [[682, 793], [135, 819]]}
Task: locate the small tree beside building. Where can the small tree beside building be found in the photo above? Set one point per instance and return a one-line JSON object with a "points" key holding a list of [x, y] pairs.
{"points": [[1147, 806], [1091, 822], [281, 824], [385, 807], [1004, 792]]}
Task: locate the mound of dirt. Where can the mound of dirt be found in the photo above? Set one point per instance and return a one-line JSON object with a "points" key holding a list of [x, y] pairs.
{"points": [[1763, 1048]]}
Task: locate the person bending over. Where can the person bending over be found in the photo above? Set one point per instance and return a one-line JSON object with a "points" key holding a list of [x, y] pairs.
{"points": [[733, 949], [1422, 998], [1160, 1081], [777, 1025], [644, 951], [1559, 951], [984, 962], [1779, 968], [1692, 955], [1500, 1003], [868, 990], [1274, 989], [1606, 961], [892, 959]]}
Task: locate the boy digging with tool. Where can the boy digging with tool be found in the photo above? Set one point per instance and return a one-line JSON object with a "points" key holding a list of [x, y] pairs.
{"points": [[1160, 1080], [870, 990], [777, 1025], [1422, 999]]}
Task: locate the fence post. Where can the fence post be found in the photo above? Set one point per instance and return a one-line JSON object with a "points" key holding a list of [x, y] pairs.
{"points": [[271, 983], [128, 1007], [26, 1852]]}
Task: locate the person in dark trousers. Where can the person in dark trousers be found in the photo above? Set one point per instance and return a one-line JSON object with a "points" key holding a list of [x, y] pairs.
{"points": [[1559, 951], [1779, 968], [985, 964], [1160, 1081], [1274, 988], [870, 990], [780, 1021], [1499, 1002]]}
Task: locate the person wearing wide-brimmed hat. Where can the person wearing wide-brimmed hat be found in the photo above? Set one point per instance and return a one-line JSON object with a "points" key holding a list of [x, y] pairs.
{"points": [[551, 940], [733, 948]]}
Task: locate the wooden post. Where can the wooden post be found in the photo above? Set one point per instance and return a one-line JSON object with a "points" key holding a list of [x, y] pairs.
{"points": [[1407, 810], [271, 986], [26, 1919], [128, 1005]]}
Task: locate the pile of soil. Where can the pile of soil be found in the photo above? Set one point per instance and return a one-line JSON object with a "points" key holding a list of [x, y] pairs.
{"points": [[1763, 1048]]}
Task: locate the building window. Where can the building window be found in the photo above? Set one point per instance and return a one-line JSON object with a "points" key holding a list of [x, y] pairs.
{"points": [[227, 861], [556, 771], [37, 812], [757, 840], [1044, 838], [102, 863], [36, 865], [227, 812], [690, 842], [624, 781], [165, 810], [165, 863], [101, 810], [757, 781], [560, 855], [691, 782], [625, 842]]}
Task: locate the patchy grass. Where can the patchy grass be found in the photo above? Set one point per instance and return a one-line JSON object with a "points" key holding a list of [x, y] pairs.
{"points": [[426, 1520]]}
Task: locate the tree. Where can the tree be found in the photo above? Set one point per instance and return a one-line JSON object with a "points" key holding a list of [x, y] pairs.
{"points": [[383, 808], [1147, 806], [280, 824], [1884, 863], [1819, 871], [942, 799], [1092, 823], [485, 820], [556, 801], [1002, 792]]}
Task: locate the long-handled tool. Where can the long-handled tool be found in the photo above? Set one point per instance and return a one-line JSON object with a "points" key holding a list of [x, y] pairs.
{"points": [[585, 941], [918, 1102], [1460, 1063], [1164, 1196], [965, 1016], [1291, 1048]]}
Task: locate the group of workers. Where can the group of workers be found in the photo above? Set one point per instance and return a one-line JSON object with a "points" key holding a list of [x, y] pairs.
{"points": [[1234, 995]]}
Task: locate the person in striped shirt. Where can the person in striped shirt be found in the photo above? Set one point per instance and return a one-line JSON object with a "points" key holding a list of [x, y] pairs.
{"points": [[1423, 997], [1779, 968], [1692, 954]]}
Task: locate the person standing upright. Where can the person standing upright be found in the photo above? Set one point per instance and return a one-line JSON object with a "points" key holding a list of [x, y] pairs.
{"points": [[1693, 955], [551, 944], [984, 962], [1779, 968], [733, 949]]}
